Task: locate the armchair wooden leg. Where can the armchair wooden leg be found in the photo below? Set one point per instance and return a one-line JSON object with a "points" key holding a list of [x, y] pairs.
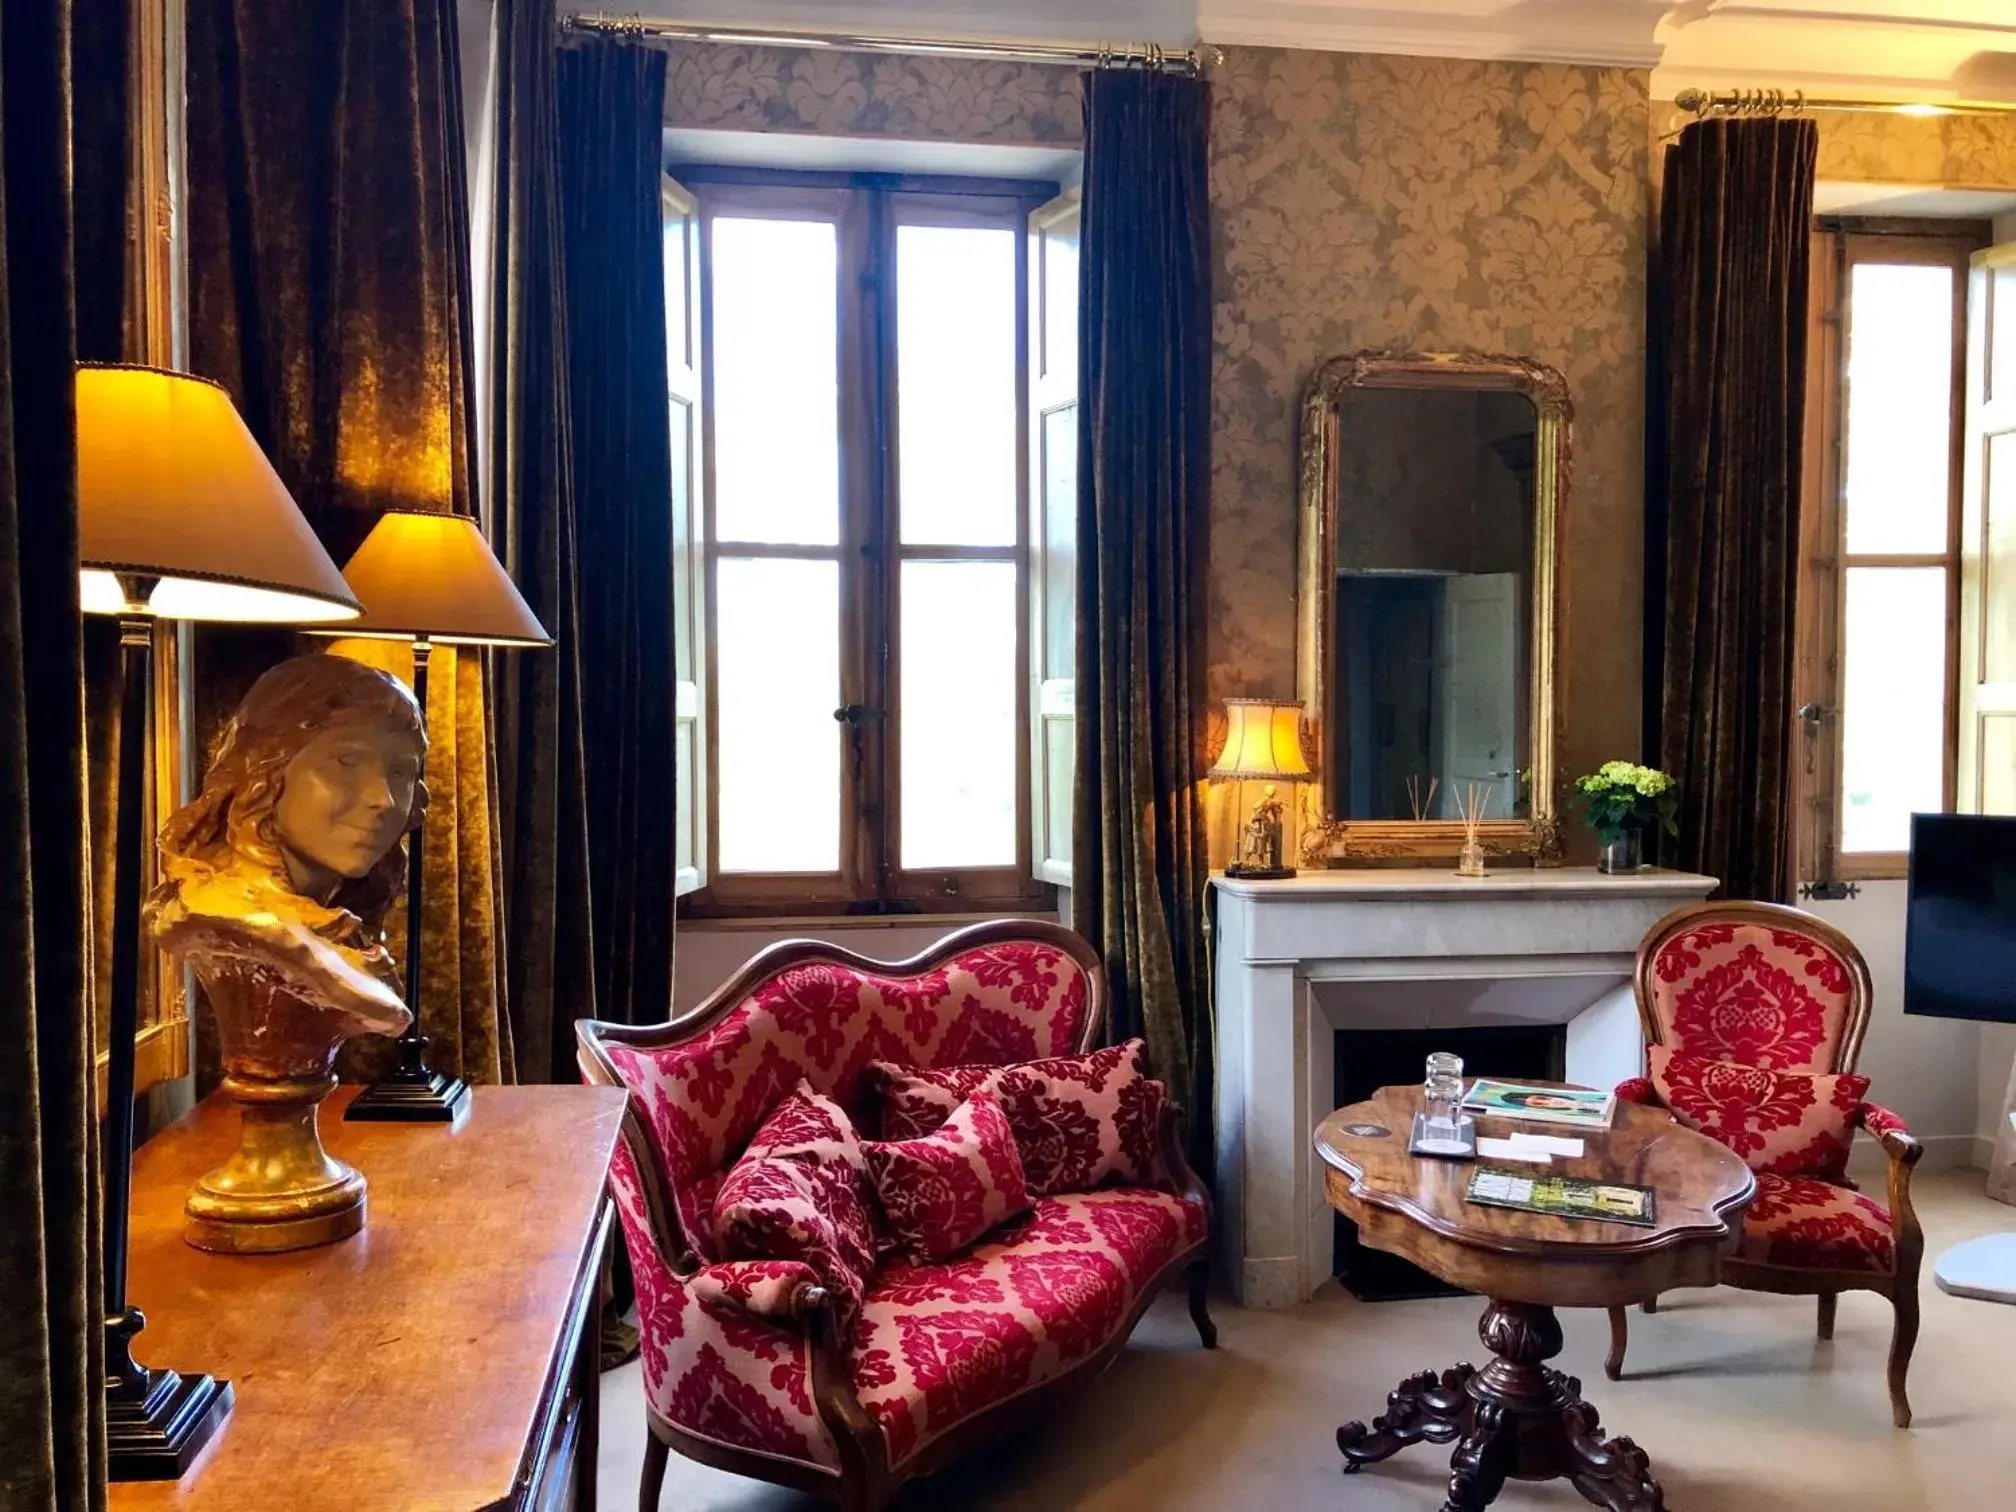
{"points": [[651, 1485], [1620, 1335], [1200, 1303], [1827, 1301], [1903, 1339], [1651, 1304]]}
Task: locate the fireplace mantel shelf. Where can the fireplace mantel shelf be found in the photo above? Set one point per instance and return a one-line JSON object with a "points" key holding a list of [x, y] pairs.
{"points": [[1300, 958], [1385, 883]]}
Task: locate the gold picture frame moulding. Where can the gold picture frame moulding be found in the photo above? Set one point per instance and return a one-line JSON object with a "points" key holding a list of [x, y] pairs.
{"points": [[1328, 839]]}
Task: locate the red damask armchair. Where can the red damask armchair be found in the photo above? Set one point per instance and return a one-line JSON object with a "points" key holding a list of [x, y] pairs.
{"points": [[1776, 989], [747, 1368]]}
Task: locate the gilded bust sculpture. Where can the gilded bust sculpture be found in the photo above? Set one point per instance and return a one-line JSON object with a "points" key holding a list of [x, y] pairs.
{"points": [[275, 884]]}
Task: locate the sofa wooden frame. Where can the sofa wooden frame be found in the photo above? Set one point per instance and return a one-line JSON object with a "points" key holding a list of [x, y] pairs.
{"points": [[866, 1480], [1900, 1284]]}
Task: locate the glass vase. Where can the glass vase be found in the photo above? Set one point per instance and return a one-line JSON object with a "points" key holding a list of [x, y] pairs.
{"points": [[1624, 854]]}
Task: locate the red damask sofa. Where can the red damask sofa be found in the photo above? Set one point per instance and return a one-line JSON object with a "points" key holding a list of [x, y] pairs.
{"points": [[940, 1356], [1725, 986]]}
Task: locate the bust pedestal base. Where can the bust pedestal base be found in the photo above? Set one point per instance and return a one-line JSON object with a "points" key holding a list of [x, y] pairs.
{"points": [[280, 1190], [1513, 1420]]}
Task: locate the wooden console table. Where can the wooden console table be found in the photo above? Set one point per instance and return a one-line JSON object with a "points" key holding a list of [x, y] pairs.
{"points": [[444, 1359]]}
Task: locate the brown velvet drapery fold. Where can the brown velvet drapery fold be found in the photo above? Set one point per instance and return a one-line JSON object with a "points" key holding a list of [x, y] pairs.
{"points": [[541, 758], [52, 1366], [611, 107], [329, 291], [1723, 532], [1138, 852]]}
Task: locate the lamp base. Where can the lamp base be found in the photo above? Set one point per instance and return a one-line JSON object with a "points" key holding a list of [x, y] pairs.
{"points": [[411, 1095], [1260, 873], [155, 1428]]}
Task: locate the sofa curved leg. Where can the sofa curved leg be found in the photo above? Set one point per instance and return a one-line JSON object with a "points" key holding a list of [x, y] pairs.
{"points": [[651, 1485], [1620, 1335], [1827, 1301], [1200, 1303], [1903, 1339]]}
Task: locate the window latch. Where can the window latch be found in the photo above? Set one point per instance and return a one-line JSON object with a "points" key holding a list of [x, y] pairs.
{"points": [[1813, 713], [855, 715]]}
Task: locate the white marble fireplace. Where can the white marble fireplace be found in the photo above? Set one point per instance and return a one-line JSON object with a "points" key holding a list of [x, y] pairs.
{"points": [[1300, 959]]}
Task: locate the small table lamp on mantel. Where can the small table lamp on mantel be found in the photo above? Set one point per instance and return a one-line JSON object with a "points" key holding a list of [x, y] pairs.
{"points": [[429, 577], [1263, 743], [179, 516]]}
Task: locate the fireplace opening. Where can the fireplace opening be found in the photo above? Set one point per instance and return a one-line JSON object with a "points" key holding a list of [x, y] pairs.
{"points": [[1369, 1059]]}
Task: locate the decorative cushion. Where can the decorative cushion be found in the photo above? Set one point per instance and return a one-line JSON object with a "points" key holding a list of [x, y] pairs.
{"points": [[800, 1192], [1786, 1122], [1815, 1225], [1009, 1000], [937, 1343], [1752, 993], [942, 1192], [1079, 1120]]}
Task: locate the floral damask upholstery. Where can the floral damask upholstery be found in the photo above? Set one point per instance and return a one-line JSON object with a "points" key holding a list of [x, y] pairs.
{"points": [[1787, 1123], [765, 1359], [944, 1190], [824, 1022], [937, 1343], [1080, 1120], [1764, 996], [1815, 1225], [1753, 1015]]}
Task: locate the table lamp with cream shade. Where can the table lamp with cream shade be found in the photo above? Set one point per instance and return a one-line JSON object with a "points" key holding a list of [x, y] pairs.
{"points": [[426, 577], [1263, 743], [180, 516]]}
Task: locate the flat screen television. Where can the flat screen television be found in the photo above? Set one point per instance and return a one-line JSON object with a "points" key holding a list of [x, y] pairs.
{"points": [[1960, 924]]}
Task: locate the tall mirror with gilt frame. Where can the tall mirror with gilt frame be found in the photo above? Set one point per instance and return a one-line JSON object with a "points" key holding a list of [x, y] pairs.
{"points": [[1429, 625]]}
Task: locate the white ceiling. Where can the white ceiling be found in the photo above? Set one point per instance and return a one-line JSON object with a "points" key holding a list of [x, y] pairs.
{"points": [[1895, 49]]}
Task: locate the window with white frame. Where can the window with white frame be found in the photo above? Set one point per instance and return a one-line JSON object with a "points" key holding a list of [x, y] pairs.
{"points": [[868, 624]]}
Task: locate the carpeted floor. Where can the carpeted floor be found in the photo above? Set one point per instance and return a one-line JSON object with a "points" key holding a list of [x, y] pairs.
{"points": [[1741, 1408]]}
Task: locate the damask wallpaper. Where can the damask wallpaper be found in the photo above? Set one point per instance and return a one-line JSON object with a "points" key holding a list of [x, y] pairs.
{"points": [[859, 94], [1367, 201]]}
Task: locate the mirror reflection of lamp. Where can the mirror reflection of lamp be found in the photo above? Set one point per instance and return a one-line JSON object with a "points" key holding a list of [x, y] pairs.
{"points": [[1263, 743], [179, 517]]}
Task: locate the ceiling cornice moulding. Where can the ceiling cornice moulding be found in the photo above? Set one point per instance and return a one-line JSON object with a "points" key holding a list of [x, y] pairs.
{"points": [[1614, 33]]}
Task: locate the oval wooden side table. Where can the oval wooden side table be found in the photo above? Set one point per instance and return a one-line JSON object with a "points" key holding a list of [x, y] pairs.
{"points": [[1517, 1418]]}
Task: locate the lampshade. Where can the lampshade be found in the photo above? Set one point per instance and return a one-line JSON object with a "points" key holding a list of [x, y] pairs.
{"points": [[1264, 741], [175, 496], [422, 573]]}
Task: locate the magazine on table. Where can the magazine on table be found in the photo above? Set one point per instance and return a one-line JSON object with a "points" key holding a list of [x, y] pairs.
{"points": [[1564, 1196], [1575, 1106]]}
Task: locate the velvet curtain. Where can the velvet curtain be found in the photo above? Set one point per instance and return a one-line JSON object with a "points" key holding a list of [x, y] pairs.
{"points": [[52, 1367], [541, 756], [1723, 531], [1138, 851], [611, 99], [328, 281]]}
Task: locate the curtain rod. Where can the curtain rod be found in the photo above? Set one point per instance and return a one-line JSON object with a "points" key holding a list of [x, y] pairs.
{"points": [[1776, 102], [1148, 55]]}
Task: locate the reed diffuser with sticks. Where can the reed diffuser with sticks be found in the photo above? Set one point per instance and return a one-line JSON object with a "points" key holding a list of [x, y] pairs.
{"points": [[1475, 798]]}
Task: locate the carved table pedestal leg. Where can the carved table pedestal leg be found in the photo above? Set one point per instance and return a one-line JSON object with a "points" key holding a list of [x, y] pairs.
{"points": [[1514, 1419]]}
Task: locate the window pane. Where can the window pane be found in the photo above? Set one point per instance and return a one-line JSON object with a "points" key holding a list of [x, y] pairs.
{"points": [[956, 390], [1899, 430], [675, 231], [777, 670], [1893, 704], [776, 381], [1060, 304], [959, 699]]}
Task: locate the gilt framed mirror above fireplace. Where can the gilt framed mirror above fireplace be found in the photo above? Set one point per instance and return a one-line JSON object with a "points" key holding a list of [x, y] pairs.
{"points": [[1428, 619]]}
